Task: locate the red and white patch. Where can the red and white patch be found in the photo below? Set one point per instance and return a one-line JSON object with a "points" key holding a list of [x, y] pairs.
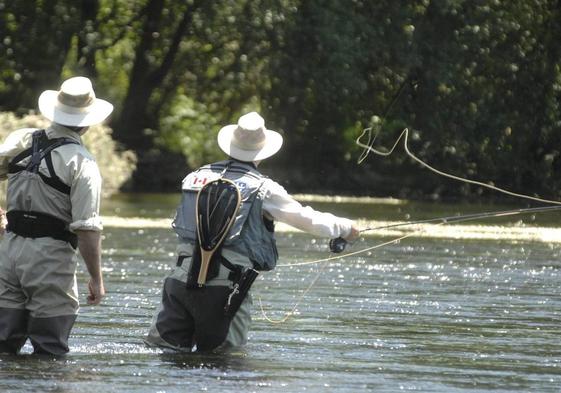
{"points": [[195, 181]]}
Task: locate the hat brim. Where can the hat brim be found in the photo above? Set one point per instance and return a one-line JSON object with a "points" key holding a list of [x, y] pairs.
{"points": [[273, 143], [97, 112]]}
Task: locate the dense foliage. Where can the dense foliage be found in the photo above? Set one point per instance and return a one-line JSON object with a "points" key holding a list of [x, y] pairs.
{"points": [[479, 82]]}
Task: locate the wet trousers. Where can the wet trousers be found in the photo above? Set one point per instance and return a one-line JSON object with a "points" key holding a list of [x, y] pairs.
{"points": [[38, 294], [193, 319]]}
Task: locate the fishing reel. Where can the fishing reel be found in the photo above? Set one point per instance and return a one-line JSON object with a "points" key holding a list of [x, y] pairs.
{"points": [[337, 245]]}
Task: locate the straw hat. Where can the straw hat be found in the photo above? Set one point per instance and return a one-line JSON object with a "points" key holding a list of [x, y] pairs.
{"points": [[249, 140], [74, 104]]}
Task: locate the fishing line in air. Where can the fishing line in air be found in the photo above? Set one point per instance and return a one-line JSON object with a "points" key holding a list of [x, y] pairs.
{"points": [[368, 147]]}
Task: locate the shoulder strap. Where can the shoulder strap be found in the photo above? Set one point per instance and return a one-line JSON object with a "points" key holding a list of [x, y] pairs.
{"points": [[41, 148], [233, 166]]}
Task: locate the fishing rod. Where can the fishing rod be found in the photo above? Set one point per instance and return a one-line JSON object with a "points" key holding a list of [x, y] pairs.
{"points": [[469, 217], [338, 245]]}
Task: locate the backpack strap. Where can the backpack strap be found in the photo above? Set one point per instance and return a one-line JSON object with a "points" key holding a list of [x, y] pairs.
{"points": [[41, 148]]}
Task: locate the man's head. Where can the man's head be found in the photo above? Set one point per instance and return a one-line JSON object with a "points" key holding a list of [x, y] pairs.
{"points": [[249, 140], [74, 105]]}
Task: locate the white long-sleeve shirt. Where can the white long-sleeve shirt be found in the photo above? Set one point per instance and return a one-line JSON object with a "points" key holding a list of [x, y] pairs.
{"points": [[283, 207]]}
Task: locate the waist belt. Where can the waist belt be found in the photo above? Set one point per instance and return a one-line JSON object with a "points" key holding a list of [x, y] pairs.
{"points": [[235, 270], [35, 224], [240, 277]]}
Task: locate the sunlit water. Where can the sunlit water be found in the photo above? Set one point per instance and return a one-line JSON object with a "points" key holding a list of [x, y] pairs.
{"points": [[423, 314]]}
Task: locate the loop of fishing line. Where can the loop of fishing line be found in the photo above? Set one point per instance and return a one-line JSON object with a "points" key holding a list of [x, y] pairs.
{"points": [[404, 135], [367, 148]]}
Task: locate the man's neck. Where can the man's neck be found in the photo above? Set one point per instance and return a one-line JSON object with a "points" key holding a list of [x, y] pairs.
{"points": [[254, 164]]}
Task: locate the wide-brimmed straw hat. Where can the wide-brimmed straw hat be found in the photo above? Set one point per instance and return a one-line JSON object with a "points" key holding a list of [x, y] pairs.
{"points": [[74, 104], [249, 140]]}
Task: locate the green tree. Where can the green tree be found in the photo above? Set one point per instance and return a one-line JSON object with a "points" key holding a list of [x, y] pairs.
{"points": [[477, 81], [36, 37]]}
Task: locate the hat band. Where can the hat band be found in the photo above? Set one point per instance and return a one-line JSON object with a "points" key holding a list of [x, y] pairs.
{"points": [[249, 140], [72, 109], [74, 104], [76, 100]]}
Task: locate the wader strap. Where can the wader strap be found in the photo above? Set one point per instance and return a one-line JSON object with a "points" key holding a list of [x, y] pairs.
{"points": [[41, 148], [180, 260], [234, 275], [35, 224], [235, 270]]}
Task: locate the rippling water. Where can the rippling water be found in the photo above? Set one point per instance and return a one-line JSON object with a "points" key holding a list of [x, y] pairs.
{"points": [[430, 315]]}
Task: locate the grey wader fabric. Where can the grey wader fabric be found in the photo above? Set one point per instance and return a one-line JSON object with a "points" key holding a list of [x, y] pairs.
{"points": [[47, 335], [13, 329], [38, 291], [193, 318], [38, 294], [50, 335]]}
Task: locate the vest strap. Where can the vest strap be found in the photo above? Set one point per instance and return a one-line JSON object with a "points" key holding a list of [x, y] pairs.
{"points": [[41, 148], [35, 224]]}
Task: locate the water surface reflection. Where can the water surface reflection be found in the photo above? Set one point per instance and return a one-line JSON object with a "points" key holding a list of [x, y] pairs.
{"points": [[438, 315]]}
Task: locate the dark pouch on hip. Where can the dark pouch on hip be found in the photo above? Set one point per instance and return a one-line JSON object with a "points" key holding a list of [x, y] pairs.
{"points": [[239, 292]]}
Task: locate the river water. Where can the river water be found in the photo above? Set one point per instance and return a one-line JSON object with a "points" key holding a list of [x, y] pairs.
{"points": [[440, 311]]}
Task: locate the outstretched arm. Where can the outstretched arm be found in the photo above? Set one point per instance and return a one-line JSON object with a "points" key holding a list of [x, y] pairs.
{"points": [[89, 244], [283, 207]]}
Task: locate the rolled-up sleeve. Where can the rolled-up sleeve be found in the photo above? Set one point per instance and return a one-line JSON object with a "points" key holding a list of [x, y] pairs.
{"points": [[283, 207], [85, 196]]}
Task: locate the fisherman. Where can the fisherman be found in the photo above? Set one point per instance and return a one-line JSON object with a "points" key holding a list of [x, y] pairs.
{"points": [[53, 203], [198, 317]]}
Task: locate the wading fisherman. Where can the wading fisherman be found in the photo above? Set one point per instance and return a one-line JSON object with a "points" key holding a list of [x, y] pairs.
{"points": [[53, 203], [204, 315]]}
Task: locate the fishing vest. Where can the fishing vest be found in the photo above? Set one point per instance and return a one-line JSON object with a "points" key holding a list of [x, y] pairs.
{"points": [[251, 234], [39, 204]]}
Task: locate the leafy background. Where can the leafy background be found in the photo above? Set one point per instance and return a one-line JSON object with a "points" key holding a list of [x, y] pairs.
{"points": [[479, 83]]}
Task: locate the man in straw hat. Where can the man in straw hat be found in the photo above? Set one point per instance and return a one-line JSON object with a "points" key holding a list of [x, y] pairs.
{"points": [[53, 202], [199, 317]]}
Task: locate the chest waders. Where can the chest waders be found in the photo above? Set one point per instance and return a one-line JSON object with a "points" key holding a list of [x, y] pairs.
{"points": [[34, 224], [217, 205], [220, 218], [38, 294]]}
